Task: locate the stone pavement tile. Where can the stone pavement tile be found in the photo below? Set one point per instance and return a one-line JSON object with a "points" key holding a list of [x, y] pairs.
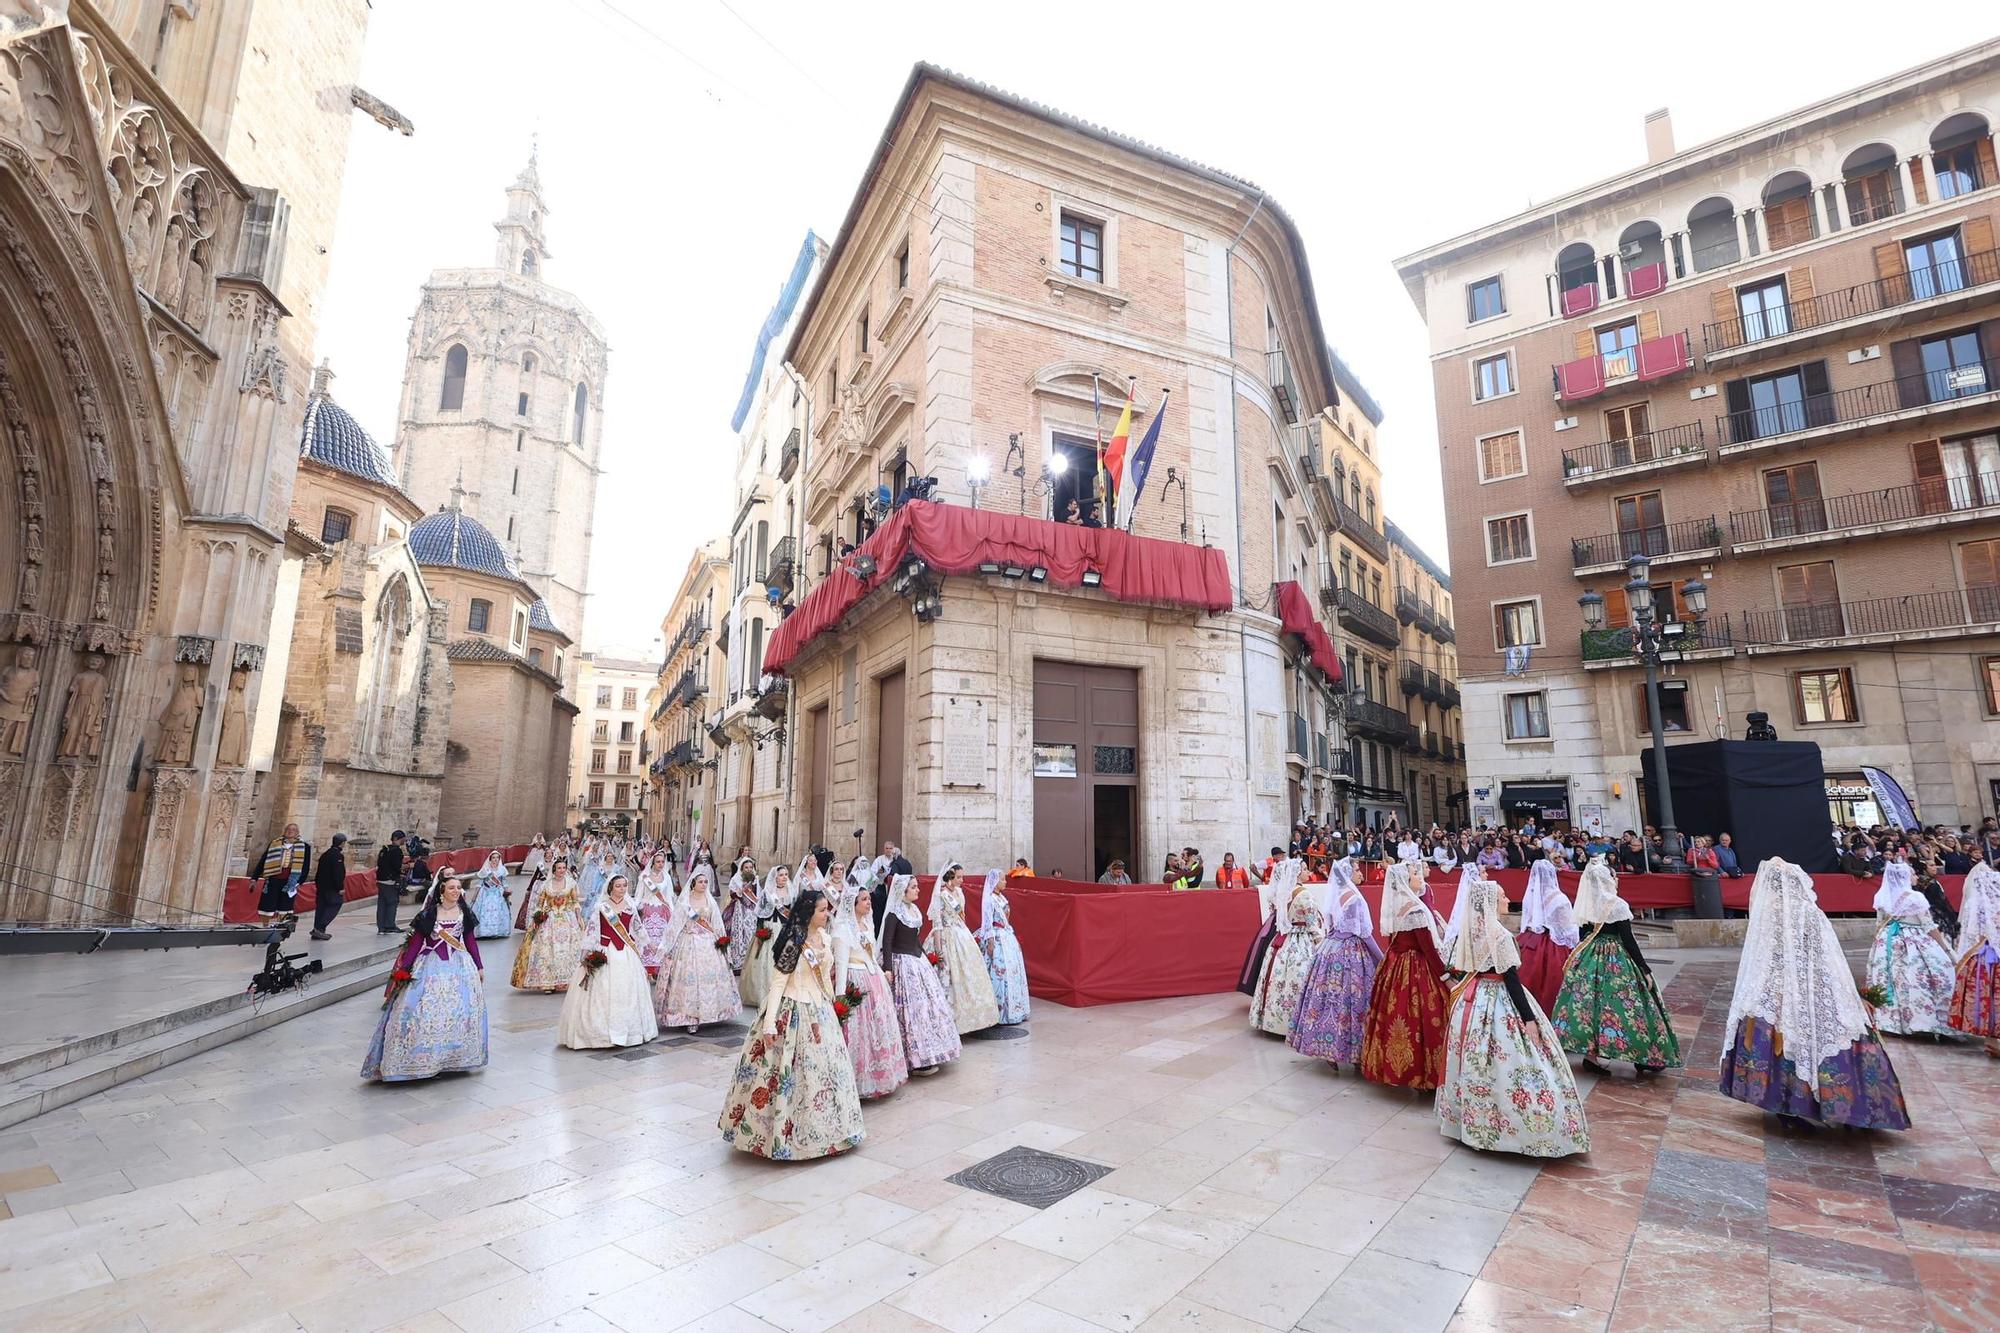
{"points": [[1027, 1134], [1267, 1280], [922, 1144], [1159, 1176], [26, 1286], [1444, 1232], [979, 1287], [1668, 1264], [1869, 1263], [822, 1182], [1206, 1221], [537, 1297], [1181, 1315], [684, 1294], [563, 1239], [1712, 1195], [1082, 1224], [258, 1231], [1490, 1180], [917, 1189], [847, 1280], [1272, 1174], [877, 1318], [1943, 1214], [1383, 1172], [1705, 1121], [1488, 1307], [1121, 1285], [26, 1178], [1379, 1291], [66, 1192], [806, 1239], [1812, 1298], [501, 1187], [344, 1201], [620, 1180], [1565, 1263], [1859, 1215], [1329, 1216], [455, 1235], [959, 1224], [681, 1240], [1961, 1288], [1034, 1317]]}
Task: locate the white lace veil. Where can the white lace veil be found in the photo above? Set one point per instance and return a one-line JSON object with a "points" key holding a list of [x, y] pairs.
{"points": [[846, 933], [905, 912], [992, 904], [1545, 907], [1979, 911], [1467, 877], [1793, 974], [937, 894], [1402, 909], [1898, 895], [1482, 943], [1597, 900], [1283, 882]]}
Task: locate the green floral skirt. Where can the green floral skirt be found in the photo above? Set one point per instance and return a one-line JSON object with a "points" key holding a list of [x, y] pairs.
{"points": [[1610, 1009]]}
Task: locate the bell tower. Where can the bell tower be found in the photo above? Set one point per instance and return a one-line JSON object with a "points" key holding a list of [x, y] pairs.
{"points": [[521, 247]]}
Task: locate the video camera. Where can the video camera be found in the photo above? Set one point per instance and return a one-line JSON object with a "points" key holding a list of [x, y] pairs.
{"points": [[281, 970]]}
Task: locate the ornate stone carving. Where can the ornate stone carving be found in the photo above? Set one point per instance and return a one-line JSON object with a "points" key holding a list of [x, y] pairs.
{"points": [[11, 774], [169, 786], [265, 369], [101, 638], [68, 800], [179, 720], [225, 794], [84, 711], [194, 648], [233, 743], [20, 689], [247, 657], [21, 627]]}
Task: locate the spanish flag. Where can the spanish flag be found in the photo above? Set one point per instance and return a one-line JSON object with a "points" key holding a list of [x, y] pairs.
{"points": [[1114, 452]]}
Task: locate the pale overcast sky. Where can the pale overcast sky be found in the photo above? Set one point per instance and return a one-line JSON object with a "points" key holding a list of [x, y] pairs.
{"points": [[685, 152]]}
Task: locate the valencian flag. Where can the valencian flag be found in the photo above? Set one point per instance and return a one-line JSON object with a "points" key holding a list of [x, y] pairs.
{"points": [[1114, 452], [1142, 458]]}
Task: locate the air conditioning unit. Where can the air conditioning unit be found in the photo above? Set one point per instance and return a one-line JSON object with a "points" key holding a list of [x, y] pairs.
{"points": [[1630, 251]]}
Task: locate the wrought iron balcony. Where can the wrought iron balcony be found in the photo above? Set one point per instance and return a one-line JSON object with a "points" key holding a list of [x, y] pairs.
{"points": [[1968, 385], [788, 455], [1365, 717], [1347, 521], [1363, 617], [1322, 751], [1933, 503], [772, 698], [1412, 677], [1613, 645], [1406, 605], [1647, 451], [1340, 764], [1931, 614], [1928, 282], [1297, 746], [1600, 372], [1662, 543], [1328, 587], [781, 566], [1448, 695], [1284, 388]]}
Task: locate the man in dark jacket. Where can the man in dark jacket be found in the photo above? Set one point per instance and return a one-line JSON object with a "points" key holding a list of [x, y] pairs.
{"points": [[388, 883], [329, 886]]}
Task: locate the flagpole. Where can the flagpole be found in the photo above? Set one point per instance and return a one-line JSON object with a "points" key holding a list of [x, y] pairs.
{"points": [[1097, 424]]}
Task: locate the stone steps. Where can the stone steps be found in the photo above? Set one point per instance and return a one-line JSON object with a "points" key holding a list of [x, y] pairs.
{"points": [[42, 1081]]}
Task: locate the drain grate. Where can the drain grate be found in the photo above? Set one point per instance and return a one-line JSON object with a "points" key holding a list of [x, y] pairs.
{"points": [[1030, 1176]]}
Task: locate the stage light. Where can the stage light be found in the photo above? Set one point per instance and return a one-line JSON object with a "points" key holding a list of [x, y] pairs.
{"points": [[1092, 579], [979, 469], [989, 566], [1013, 571], [1058, 464], [1039, 574]]}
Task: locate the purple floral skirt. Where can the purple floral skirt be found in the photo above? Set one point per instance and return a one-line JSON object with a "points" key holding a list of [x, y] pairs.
{"points": [[1857, 1088], [1332, 1016]]}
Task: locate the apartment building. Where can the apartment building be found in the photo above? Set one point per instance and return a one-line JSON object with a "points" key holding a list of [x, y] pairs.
{"points": [[693, 671], [612, 749], [1427, 680], [1770, 362]]}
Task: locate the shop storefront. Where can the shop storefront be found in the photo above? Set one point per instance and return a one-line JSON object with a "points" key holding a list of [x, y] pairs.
{"points": [[1850, 800], [1544, 804]]}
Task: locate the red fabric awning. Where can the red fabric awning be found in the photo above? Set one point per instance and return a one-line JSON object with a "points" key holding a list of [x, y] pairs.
{"points": [[1577, 300], [952, 539], [1295, 614], [1659, 357], [1645, 279], [1581, 378]]}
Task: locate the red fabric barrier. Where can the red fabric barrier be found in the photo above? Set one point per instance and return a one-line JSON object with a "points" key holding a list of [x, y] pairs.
{"points": [[952, 539], [1295, 614], [240, 894]]}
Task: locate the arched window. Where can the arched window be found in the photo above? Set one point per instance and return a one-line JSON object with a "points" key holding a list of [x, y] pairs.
{"points": [[580, 416], [528, 262], [1576, 278], [1712, 234], [1371, 507], [527, 394], [1962, 155], [452, 398], [480, 616], [1873, 184], [1789, 216]]}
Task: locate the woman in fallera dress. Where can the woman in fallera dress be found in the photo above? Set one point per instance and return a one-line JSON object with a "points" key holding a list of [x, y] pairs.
{"points": [[739, 913], [1909, 962], [793, 1097], [1507, 1085], [1005, 966], [1404, 1043], [1548, 935], [695, 985], [773, 901], [610, 1004], [1271, 903], [1332, 1016], [434, 1011], [596, 869], [923, 1010], [1975, 996], [1609, 1008], [1798, 1042], [961, 966], [490, 904], [1277, 997], [537, 857], [547, 958], [874, 1039], [657, 913]]}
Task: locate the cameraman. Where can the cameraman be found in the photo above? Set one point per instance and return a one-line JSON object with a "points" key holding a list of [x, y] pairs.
{"points": [[388, 883]]}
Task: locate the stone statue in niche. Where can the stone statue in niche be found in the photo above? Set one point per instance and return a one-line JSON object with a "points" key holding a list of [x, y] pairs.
{"points": [[83, 712], [233, 745], [182, 716], [100, 597], [20, 686]]}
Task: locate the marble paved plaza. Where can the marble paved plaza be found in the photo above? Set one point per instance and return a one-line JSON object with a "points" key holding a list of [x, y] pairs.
{"points": [[262, 1186]]}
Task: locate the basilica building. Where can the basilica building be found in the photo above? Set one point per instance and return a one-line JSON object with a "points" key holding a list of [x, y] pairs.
{"points": [[167, 205]]}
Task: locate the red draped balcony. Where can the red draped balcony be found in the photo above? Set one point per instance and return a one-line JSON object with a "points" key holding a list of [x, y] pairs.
{"points": [[1296, 616], [952, 540], [1652, 359]]}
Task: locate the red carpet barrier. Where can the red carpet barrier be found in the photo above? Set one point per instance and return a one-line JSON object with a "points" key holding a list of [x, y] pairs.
{"points": [[239, 896]]}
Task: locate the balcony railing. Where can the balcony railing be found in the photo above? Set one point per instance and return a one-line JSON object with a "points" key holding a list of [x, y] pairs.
{"points": [[781, 566], [1348, 521], [1328, 587], [788, 455], [1449, 696], [1898, 289], [1322, 751], [1296, 742], [1412, 677], [1912, 613], [1940, 497], [1610, 645], [772, 698], [1651, 359], [1865, 403], [1365, 618], [1283, 387], [1655, 541], [1339, 763], [1406, 605], [1653, 446], [1365, 717]]}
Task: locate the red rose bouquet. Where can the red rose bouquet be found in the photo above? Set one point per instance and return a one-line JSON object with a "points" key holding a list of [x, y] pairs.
{"points": [[841, 1010], [592, 961], [931, 958], [763, 932], [722, 941], [853, 996], [541, 916], [398, 979]]}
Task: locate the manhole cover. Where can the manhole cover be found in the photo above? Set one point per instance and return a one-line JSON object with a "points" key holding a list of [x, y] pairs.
{"points": [[1012, 1032], [1030, 1176]]}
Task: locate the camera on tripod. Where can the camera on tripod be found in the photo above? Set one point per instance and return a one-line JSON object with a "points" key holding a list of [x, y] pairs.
{"points": [[282, 971]]}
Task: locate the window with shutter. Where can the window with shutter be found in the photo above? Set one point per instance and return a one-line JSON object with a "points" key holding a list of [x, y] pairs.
{"points": [[1793, 497], [1810, 596], [1824, 695], [1627, 431], [1501, 456], [1789, 223], [1642, 525], [1936, 264], [1509, 538], [1981, 561]]}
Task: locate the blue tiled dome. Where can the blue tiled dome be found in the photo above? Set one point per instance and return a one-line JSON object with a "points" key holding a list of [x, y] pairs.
{"points": [[336, 439], [539, 618], [456, 540]]}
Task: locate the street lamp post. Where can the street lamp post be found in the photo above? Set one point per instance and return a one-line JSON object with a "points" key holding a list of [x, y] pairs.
{"points": [[1651, 633]]}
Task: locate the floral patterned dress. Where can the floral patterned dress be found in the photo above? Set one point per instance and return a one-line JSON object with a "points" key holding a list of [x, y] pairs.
{"points": [[1404, 1043], [434, 1023], [962, 967], [1284, 979], [1915, 972], [1609, 1008], [793, 1096], [489, 905], [874, 1038], [547, 959], [1857, 1088], [1004, 963], [695, 984], [923, 1012], [1332, 1016], [1507, 1084], [740, 921]]}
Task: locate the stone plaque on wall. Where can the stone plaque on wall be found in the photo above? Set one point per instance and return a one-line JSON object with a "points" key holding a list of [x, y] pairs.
{"points": [[965, 742], [1269, 773]]}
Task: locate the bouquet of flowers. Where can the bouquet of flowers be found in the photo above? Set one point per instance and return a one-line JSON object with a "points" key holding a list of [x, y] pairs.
{"points": [[853, 996], [398, 979], [763, 932], [541, 915], [592, 961], [931, 958], [841, 1009], [1875, 997], [721, 941]]}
